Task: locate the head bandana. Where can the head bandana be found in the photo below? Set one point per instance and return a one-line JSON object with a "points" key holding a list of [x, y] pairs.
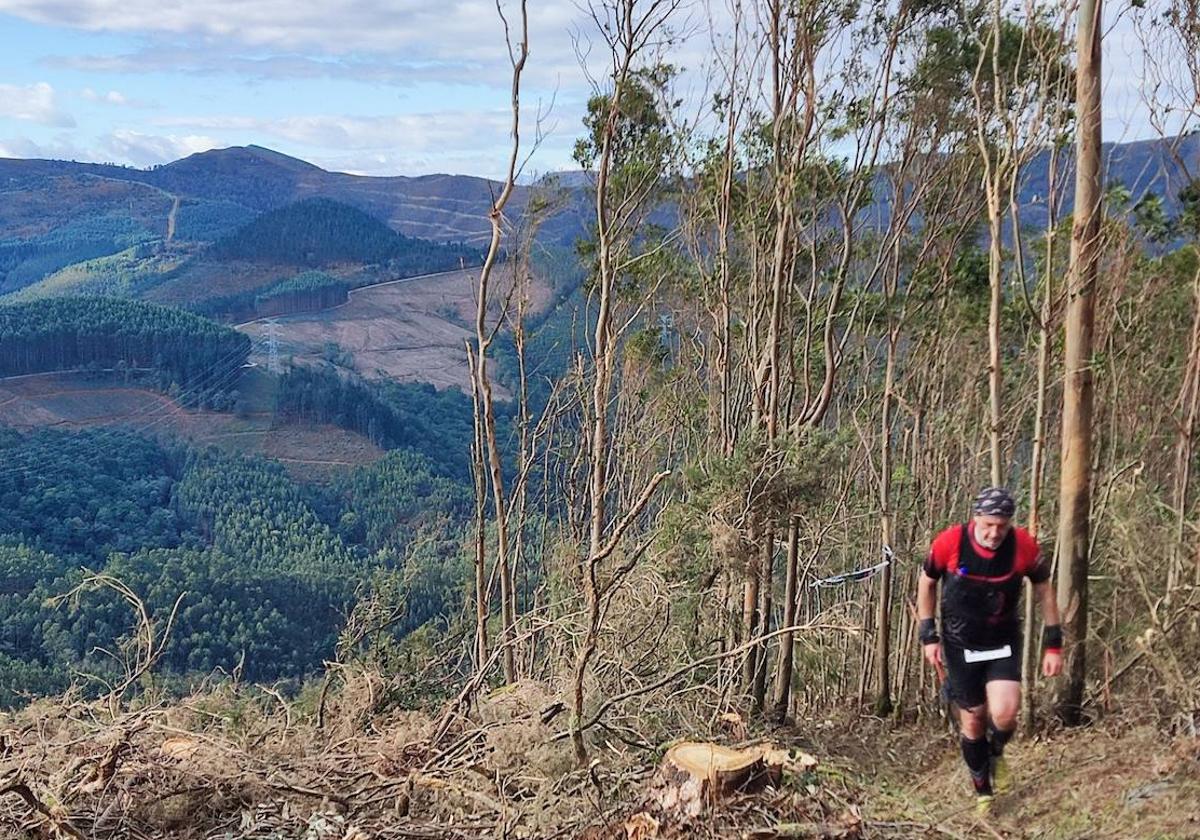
{"points": [[995, 501]]}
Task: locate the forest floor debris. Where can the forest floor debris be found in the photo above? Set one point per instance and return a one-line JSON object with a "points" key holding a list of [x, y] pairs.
{"points": [[235, 763]]}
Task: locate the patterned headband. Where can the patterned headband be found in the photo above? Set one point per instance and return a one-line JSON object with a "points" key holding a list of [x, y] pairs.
{"points": [[995, 501]]}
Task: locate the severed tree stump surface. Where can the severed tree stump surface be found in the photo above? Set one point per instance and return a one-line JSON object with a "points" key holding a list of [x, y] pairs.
{"points": [[694, 776]]}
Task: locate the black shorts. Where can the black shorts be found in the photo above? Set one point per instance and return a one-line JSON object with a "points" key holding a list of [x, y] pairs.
{"points": [[966, 682]]}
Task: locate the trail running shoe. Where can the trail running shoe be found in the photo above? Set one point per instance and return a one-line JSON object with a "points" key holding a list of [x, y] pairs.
{"points": [[983, 804], [1001, 774]]}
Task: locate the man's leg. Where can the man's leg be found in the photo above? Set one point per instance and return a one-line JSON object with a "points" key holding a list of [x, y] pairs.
{"points": [[975, 751], [1003, 704], [967, 688], [1004, 701]]}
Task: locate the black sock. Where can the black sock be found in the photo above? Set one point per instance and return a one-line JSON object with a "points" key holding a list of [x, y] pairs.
{"points": [[979, 760], [999, 738]]}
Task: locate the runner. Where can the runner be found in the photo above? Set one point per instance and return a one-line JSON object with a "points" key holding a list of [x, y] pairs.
{"points": [[980, 565]]}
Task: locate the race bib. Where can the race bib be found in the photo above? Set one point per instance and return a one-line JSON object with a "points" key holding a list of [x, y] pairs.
{"points": [[987, 655]]}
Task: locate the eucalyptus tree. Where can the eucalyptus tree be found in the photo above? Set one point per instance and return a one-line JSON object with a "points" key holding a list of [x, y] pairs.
{"points": [[627, 146], [486, 439], [1074, 524]]}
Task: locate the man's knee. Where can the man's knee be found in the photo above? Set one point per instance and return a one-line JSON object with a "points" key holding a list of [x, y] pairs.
{"points": [[974, 722], [1004, 717], [1004, 703]]}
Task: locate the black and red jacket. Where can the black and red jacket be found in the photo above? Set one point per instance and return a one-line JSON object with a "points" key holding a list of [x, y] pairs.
{"points": [[981, 588]]}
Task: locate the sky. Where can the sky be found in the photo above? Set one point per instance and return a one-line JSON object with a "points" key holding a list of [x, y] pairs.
{"points": [[403, 87]]}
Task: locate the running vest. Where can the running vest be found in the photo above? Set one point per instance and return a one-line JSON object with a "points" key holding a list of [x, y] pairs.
{"points": [[980, 596]]}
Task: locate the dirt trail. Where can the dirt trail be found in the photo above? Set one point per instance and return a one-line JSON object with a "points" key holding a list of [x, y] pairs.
{"points": [[171, 219], [1118, 779]]}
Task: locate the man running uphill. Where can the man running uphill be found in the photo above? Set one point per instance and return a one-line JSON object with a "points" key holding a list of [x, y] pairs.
{"points": [[980, 565]]}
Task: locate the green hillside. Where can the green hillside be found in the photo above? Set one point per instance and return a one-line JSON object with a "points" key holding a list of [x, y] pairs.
{"points": [[322, 232], [24, 262], [76, 333], [127, 273], [267, 567]]}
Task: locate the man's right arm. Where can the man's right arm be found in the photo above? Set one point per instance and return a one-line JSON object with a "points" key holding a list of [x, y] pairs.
{"points": [[926, 608], [926, 596]]}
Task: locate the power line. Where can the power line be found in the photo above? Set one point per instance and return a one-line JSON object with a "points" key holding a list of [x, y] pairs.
{"points": [[159, 414]]}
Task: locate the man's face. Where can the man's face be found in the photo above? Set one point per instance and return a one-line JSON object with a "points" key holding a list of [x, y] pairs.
{"points": [[990, 531]]}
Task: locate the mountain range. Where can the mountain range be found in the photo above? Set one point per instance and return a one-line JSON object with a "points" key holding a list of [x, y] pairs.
{"points": [[254, 179], [118, 229]]}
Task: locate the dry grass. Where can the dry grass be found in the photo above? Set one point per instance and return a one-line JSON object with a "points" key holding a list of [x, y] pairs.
{"points": [[203, 280], [239, 761], [1114, 780], [236, 762]]}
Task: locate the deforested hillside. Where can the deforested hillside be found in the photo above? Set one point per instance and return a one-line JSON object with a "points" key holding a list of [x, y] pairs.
{"points": [[840, 482]]}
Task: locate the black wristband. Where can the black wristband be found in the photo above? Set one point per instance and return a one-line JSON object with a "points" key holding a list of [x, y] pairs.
{"points": [[1052, 637], [927, 632]]}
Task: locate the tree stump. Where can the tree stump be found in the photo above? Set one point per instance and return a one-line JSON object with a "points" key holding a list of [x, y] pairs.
{"points": [[695, 776]]}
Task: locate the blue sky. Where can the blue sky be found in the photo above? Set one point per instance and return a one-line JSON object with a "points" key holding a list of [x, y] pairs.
{"points": [[359, 88], [383, 88]]}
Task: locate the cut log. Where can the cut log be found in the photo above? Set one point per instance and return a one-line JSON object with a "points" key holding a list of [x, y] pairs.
{"points": [[696, 775], [641, 826], [179, 748], [733, 723], [723, 770]]}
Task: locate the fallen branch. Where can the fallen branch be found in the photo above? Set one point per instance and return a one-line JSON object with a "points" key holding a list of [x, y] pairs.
{"points": [[22, 790]]}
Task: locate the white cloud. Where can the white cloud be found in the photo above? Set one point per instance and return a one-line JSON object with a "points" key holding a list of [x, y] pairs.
{"points": [[219, 60], [459, 31], [467, 162], [112, 97], [33, 103], [128, 148], [139, 149], [440, 132], [59, 148]]}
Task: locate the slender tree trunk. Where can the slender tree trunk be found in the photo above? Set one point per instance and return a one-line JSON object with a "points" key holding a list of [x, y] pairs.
{"points": [[499, 506], [1074, 529], [995, 166], [996, 278], [483, 339], [525, 453], [598, 450], [787, 149], [724, 313], [784, 664], [766, 569], [1038, 457], [478, 472], [632, 25], [883, 617], [1189, 403], [750, 607]]}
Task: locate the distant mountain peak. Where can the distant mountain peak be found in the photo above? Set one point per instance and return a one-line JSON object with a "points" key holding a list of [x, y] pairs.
{"points": [[280, 159], [242, 155]]}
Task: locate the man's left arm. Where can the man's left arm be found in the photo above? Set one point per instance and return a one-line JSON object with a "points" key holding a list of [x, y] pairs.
{"points": [[1052, 660]]}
